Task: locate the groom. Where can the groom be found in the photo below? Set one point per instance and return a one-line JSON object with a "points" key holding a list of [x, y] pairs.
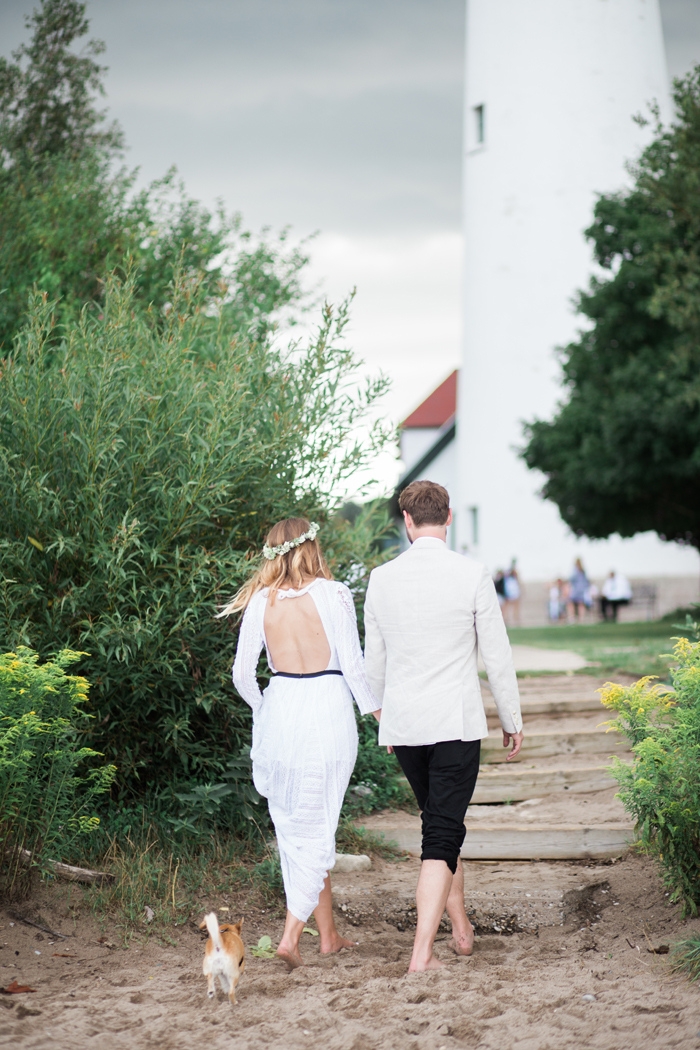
{"points": [[428, 614]]}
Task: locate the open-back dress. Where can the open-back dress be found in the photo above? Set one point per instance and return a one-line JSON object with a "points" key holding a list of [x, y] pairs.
{"points": [[305, 736]]}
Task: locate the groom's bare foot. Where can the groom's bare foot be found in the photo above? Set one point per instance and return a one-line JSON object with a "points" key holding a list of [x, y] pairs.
{"points": [[431, 964], [463, 943], [462, 947], [336, 944], [290, 957]]}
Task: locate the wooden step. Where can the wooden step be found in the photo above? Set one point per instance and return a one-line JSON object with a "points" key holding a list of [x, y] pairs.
{"points": [[547, 706], [511, 784], [542, 745], [533, 842]]}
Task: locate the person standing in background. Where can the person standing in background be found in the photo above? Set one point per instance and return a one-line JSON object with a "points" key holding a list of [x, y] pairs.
{"points": [[512, 589], [557, 600], [499, 582], [579, 590]]}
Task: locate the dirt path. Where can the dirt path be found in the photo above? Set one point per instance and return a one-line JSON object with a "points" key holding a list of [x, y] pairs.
{"points": [[552, 934], [522, 989]]}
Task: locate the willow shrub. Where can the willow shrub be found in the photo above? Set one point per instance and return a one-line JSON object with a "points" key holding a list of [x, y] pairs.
{"points": [[661, 789], [142, 460], [49, 782]]}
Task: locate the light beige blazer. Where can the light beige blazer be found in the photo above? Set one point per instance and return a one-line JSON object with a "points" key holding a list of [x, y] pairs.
{"points": [[428, 614]]}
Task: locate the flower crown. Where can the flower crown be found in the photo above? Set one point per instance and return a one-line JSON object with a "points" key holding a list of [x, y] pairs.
{"points": [[284, 548]]}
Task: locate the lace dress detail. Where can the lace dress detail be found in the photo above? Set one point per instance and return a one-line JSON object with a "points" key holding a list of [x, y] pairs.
{"points": [[305, 738]]}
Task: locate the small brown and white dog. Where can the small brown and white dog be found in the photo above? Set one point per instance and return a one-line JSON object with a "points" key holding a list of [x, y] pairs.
{"points": [[224, 956]]}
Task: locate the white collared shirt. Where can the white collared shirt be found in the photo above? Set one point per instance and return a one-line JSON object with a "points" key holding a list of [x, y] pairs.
{"points": [[617, 588], [428, 614]]}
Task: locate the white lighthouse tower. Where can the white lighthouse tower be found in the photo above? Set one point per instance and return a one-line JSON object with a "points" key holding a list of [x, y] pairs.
{"points": [[551, 90]]}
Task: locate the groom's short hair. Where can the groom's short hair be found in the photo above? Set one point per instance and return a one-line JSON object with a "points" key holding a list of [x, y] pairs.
{"points": [[427, 502]]}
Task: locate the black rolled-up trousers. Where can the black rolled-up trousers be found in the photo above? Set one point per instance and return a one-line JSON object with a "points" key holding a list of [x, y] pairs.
{"points": [[443, 777]]}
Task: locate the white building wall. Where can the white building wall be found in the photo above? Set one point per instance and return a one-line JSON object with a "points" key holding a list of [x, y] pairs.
{"points": [[559, 82], [442, 470], [415, 442]]}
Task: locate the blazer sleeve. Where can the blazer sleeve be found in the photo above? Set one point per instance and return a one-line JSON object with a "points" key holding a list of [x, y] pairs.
{"points": [[492, 640], [375, 647], [347, 644], [250, 643]]}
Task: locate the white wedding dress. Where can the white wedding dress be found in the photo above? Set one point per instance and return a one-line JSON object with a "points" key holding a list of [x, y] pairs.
{"points": [[305, 737]]}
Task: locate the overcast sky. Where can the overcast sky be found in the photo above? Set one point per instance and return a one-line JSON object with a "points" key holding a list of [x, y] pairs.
{"points": [[338, 116]]}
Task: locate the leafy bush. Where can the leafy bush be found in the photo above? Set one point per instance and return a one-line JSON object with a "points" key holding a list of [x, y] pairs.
{"points": [[49, 784], [151, 430], [203, 805], [142, 460], [377, 781], [661, 789]]}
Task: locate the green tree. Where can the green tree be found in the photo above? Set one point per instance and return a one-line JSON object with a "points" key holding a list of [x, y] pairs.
{"points": [[61, 210], [69, 214], [47, 95], [142, 460], [622, 453], [151, 429]]}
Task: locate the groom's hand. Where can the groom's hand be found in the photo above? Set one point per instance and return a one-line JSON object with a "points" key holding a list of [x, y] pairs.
{"points": [[378, 715], [517, 739]]}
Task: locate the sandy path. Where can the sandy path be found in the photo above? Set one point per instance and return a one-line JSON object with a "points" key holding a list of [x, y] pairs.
{"points": [[522, 990]]}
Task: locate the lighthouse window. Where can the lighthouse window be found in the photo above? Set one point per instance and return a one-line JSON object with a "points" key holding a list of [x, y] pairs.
{"points": [[479, 133]]}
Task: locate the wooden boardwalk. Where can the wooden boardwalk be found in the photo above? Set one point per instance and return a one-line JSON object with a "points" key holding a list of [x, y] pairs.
{"points": [[556, 801]]}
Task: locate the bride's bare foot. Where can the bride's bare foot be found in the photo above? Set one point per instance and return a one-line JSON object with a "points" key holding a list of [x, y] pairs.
{"points": [[336, 944], [431, 964], [290, 957]]}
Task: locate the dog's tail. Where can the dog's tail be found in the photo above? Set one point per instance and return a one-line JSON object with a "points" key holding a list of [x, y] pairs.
{"points": [[212, 924]]}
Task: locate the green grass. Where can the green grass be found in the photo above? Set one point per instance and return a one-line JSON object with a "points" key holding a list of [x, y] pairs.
{"points": [[686, 957], [351, 838], [623, 648], [176, 880]]}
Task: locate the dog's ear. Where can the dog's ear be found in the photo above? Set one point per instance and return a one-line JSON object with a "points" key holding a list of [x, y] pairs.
{"points": [[202, 925]]}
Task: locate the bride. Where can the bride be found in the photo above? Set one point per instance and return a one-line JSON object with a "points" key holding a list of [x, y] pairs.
{"points": [[304, 732]]}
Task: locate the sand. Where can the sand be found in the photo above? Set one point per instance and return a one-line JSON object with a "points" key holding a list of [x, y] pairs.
{"points": [[549, 934]]}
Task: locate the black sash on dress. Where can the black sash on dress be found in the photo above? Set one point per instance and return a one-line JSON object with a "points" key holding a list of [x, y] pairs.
{"points": [[313, 674]]}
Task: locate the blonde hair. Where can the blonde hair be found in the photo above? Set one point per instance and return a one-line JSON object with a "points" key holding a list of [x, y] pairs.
{"points": [[286, 570]]}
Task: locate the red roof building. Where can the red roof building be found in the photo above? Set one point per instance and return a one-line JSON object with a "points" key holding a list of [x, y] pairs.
{"points": [[438, 408], [427, 442]]}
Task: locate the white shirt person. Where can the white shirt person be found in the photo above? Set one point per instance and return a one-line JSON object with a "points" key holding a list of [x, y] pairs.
{"points": [[428, 615], [616, 591]]}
